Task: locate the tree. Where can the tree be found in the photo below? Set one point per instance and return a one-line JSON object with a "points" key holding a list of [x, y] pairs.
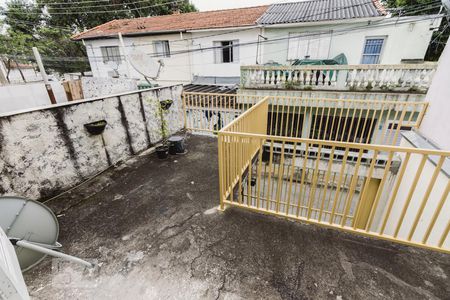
{"points": [[49, 24], [424, 7]]}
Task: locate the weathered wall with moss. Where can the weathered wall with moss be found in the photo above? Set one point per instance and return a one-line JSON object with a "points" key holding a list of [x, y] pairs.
{"points": [[44, 152]]}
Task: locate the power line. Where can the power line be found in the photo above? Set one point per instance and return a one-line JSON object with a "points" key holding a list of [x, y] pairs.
{"points": [[97, 12], [49, 5]]}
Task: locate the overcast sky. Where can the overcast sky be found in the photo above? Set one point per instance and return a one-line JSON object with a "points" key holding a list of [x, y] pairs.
{"points": [[203, 5], [222, 4]]}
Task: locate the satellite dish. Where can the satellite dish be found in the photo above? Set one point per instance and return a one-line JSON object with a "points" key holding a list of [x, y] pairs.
{"points": [[26, 219], [144, 64], [33, 229]]}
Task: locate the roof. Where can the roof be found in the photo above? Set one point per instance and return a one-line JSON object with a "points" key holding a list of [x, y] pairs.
{"points": [[215, 89], [177, 22], [321, 10]]}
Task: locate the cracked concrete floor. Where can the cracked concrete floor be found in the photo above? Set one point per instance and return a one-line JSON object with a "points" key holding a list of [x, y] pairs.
{"points": [[151, 227]]}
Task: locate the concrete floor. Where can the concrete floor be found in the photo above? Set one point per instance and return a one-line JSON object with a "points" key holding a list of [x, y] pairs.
{"points": [[152, 228]]}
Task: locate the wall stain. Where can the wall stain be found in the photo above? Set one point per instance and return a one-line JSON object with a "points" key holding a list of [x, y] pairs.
{"points": [[123, 119], [108, 158], [64, 134], [147, 134]]}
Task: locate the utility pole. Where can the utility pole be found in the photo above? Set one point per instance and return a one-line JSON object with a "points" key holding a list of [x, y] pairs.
{"points": [[3, 79], [124, 51], [48, 86]]}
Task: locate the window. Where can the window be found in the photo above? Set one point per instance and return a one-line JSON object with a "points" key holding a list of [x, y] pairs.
{"points": [[162, 48], [226, 52], [372, 50], [111, 53]]}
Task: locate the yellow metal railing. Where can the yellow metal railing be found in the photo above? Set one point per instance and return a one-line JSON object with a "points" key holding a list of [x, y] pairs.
{"points": [[211, 112], [356, 121], [389, 192]]}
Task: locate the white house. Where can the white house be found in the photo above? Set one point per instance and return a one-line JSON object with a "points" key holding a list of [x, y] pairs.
{"points": [[211, 46]]}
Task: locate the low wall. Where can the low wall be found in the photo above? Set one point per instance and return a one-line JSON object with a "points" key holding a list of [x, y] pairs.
{"points": [[338, 95], [44, 152], [99, 87]]}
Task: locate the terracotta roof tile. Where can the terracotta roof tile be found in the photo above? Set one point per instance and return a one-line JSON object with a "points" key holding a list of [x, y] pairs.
{"points": [[177, 22]]}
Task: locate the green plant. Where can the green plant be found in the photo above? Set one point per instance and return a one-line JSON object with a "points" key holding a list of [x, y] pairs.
{"points": [[164, 127], [369, 86], [289, 85]]}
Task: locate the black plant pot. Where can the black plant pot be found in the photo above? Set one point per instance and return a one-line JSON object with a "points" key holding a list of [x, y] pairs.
{"points": [[162, 152], [96, 128]]}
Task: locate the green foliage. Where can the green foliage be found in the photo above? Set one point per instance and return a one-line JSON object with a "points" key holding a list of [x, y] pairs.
{"points": [[25, 26]]}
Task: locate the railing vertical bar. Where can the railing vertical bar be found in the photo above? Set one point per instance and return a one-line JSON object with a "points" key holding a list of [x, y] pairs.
{"points": [[314, 182], [365, 138], [270, 175], [437, 211], [258, 178], [294, 156], [410, 194], [280, 178], [351, 192], [326, 183], [357, 125], [399, 125], [444, 235], [384, 131], [366, 188], [302, 181], [338, 188], [424, 201], [380, 191]]}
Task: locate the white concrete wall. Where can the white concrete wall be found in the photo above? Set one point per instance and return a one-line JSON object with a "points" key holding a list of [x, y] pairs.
{"points": [[435, 125], [403, 41], [203, 61], [181, 66], [44, 152], [176, 67], [16, 97]]}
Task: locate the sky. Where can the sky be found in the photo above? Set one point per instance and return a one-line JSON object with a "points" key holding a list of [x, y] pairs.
{"points": [[203, 5]]}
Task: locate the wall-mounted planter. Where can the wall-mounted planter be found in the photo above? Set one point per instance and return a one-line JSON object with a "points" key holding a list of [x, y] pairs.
{"points": [[166, 104], [96, 128]]}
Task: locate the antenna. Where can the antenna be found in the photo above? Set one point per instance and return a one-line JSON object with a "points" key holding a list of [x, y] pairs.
{"points": [[33, 229]]}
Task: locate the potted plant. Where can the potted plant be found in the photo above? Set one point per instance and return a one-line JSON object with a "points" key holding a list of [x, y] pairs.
{"points": [[163, 150]]}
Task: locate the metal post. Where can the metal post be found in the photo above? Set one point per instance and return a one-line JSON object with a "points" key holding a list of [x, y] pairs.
{"points": [[3, 79], [124, 51], [44, 75], [34, 247]]}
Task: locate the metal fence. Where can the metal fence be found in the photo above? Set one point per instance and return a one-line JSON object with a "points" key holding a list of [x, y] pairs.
{"points": [[389, 192], [360, 121], [211, 112]]}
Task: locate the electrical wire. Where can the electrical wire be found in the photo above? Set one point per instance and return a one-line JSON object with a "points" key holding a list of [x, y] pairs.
{"points": [[98, 12], [50, 5]]}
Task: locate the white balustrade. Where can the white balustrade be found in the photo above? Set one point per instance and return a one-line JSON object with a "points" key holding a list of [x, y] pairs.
{"points": [[402, 77]]}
